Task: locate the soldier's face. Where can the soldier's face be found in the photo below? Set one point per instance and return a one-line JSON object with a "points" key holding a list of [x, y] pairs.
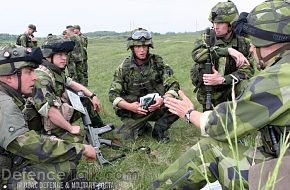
{"points": [[28, 79], [141, 51], [221, 28], [60, 60]]}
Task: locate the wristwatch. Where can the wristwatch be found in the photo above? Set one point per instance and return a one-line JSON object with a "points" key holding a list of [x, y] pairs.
{"points": [[91, 97], [187, 115]]}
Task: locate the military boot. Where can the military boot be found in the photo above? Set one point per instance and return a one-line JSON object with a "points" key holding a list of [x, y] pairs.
{"points": [[160, 135]]}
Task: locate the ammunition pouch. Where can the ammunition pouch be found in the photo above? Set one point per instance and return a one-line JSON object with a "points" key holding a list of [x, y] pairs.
{"points": [[196, 75]]}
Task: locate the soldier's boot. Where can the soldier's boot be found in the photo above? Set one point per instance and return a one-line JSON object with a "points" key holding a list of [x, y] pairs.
{"points": [[160, 135]]}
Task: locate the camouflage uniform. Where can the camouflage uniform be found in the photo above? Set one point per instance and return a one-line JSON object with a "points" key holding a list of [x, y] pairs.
{"points": [[49, 90], [75, 60], [264, 102], [30, 153], [223, 62], [84, 41], [131, 82], [25, 40]]}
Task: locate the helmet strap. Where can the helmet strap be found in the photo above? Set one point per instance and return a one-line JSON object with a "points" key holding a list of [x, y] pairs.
{"points": [[18, 73], [263, 60]]}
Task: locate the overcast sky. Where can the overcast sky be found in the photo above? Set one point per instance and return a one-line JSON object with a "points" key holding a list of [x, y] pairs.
{"points": [[51, 16]]}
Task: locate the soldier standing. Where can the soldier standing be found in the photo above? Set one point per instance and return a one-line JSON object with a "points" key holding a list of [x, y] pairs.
{"points": [[27, 39], [50, 96], [230, 55], [31, 159], [75, 57], [84, 40], [140, 74], [264, 103]]}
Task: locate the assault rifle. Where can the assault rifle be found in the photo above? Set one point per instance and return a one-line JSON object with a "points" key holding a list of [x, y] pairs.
{"points": [[210, 41], [93, 135]]}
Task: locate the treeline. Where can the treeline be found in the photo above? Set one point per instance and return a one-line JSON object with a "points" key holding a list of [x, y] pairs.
{"points": [[8, 37], [13, 37]]}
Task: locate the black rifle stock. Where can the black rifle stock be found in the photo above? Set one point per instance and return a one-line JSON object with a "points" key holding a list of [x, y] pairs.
{"points": [[209, 40]]}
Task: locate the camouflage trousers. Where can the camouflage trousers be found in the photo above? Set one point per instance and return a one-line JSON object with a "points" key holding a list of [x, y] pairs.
{"points": [[189, 171], [85, 72], [76, 71], [42, 176], [135, 124], [65, 135]]}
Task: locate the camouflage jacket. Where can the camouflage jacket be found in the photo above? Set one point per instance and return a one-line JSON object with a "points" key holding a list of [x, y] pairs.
{"points": [[77, 55], [16, 138], [223, 62], [130, 81], [84, 40], [49, 87], [265, 101], [25, 41]]}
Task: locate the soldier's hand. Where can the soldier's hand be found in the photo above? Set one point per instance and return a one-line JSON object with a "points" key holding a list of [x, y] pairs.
{"points": [[136, 107], [238, 57], [213, 79], [179, 107], [89, 152], [96, 103], [157, 105], [75, 129]]}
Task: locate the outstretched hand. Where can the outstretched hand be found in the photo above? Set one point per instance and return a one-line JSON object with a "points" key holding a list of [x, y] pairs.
{"points": [[178, 107]]}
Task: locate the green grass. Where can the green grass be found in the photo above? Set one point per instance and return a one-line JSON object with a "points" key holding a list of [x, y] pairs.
{"points": [[138, 169]]}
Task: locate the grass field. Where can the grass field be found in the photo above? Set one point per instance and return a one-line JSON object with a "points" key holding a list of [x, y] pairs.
{"points": [[138, 169]]}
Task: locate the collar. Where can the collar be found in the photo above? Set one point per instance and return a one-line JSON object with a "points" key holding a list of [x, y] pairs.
{"points": [[52, 67], [17, 97]]}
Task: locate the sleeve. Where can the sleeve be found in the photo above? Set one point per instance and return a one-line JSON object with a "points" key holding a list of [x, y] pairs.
{"points": [[260, 105], [43, 93], [117, 87], [44, 149], [199, 52]]}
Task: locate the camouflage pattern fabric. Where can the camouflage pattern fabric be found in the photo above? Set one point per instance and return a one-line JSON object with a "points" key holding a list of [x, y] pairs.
{"points": [[75, 60], [131, 82], [264, 102], [85, 58], [225, 65], [49, 90], [39, 158], [26, 41]]}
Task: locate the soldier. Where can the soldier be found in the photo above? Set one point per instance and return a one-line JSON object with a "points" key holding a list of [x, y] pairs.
{"points": [[230, 54], [140, 74], [264, 103], [84, 39], [27, 39], [31, 159], [50, 97], [75, 57]]}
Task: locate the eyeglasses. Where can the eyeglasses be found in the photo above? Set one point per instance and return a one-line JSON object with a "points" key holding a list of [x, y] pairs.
{"points": [[141, 34]]}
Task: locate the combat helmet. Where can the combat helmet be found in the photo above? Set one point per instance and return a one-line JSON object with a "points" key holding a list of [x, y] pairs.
{"points": [[56, 44], [13, 58], [269, 23], [140, 36], [224, 12]]}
